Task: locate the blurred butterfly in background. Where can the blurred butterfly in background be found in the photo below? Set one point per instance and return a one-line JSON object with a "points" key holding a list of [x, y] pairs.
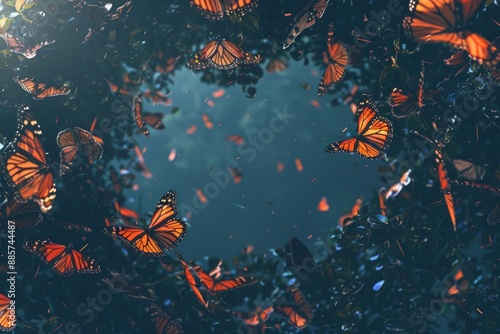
{"points": [[6, 323], [163, 323], [402, 104], [25, 215], [445, 187], [305, 19], [214, 9], [76, 143], [15, 46], [137, 114], [337, 57], [163, 233], [25, 166], [447, 21], [40, 90], [256, 318], [222, 55], [374, 133], [64, 260], [222, 285], [300, 313], [469, 170]]}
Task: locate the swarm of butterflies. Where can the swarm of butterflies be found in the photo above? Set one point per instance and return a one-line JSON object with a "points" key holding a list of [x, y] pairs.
{"points": [[30, 179]]}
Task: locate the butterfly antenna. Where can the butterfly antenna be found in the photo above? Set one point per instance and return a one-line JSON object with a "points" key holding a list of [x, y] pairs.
{"points": [[84, 247]]}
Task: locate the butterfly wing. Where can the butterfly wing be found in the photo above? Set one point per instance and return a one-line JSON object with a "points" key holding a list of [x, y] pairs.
{"points": [[337, 58], [25, 215], [136, 236], [154, 120], [192, 281], [239, 8], [137, 111], [163, 323], [77, 141], [222, 55], [305, 19], [469, 170], [168, 231], [16, 46], [6, 323], [26, 170], [444, 183], [210, 9]]}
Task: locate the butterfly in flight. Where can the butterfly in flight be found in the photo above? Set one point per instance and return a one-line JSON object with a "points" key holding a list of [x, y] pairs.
{"points": [[64, 260], [214, 286], [305, 19], [137, 110], [25, 166], [214, 9], [163, 323], [41, 90], [191, 280], [337, 58], [163, 233], [17, 47], [402, 104], [374, 133], [255, 318], [300, 313], [7, 319], [222, 55], [75, 143], [25, 215], [447, 21]]}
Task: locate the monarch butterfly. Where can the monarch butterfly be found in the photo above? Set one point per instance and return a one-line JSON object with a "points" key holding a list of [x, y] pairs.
{"points": [[163, 233], [222, 55], [163, 323], [337, 57], [444, 183], [403, 104], [469, 170], [214, 9], [40, 90], [137, 110], [300, 313], [374, 133], [223, 285], [25, 215], [74, 143], [26, 170], [305, 19], [192, 281], [445, 21], [278, 64], [256, 318], [64, 260], [154, 119], [17, 47], [7, 319]]}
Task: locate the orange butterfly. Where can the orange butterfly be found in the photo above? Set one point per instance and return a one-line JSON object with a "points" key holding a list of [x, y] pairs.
{"points": [[405, 104], [74, 143], [17, 47], [191, 280], [223, 285], [305, 19], [445, 21], [259, 317], [64, 260], [222, 55], [40, 90], [26, 169], [374, 133], [444, 183], [278, 64], [7, 319], [137, 110], [163, 323], [25, 215], [299, 314], [163, 233], [337, 59], [214, 9]]}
